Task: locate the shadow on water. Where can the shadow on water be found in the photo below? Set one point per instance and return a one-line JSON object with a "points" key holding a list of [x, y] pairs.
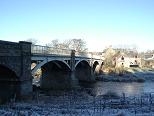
{"points": [[114, 89], [118, 88]]}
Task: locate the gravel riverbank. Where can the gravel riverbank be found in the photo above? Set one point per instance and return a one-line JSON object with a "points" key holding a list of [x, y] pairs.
{"points": [[130, 75]]}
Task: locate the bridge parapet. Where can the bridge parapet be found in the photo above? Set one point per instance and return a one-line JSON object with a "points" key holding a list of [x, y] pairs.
{"points": [[89, 55], [45, 50]]}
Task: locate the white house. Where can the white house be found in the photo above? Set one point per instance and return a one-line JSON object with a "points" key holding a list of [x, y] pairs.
{"points": [[124, 60]]}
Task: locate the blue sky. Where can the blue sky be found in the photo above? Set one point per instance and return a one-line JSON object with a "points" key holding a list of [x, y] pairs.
{"points": [[99, 22]]}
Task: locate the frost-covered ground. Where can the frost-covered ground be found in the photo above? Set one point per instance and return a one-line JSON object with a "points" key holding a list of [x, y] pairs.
{"points": [[80, 103]]}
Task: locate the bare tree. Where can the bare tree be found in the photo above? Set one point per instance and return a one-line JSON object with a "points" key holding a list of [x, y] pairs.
{"points": [[109, 53], [75, 44], [71, 44], [78, 45], [54, 43]]}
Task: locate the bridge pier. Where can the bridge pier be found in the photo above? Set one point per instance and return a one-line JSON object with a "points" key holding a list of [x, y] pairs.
{"points": [[92, 78], [74, 79], [25, 73]]}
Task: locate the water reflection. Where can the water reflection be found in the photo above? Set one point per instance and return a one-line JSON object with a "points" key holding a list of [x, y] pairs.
{"points": [[149, 87], [118, 88]]}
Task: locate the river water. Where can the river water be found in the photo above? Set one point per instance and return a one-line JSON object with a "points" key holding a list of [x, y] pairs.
{"points": [[118, 88]]}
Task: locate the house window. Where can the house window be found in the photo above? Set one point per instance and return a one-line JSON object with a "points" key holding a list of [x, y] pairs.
{"points": [[135, 61], [122, 58]]}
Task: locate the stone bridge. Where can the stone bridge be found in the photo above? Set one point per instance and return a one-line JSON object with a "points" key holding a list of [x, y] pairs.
{"points": [[60, 68], [63, 68]]}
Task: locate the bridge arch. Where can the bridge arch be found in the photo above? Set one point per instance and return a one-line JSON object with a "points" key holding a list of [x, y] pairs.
{"points": [[55, 75], [83, 71], [8, 83], [96, 67], [95, 64], [81, 61], [38, 66]]}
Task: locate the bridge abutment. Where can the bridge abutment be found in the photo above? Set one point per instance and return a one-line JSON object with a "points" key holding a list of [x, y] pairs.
{"points": [[73, 80], [15, 64]]}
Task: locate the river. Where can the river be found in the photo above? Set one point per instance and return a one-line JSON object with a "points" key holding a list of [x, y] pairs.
{"points": [[118, 88]]}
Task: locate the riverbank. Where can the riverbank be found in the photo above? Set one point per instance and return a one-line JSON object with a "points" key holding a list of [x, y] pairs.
{"points": [[80, 103], [128, 75]]}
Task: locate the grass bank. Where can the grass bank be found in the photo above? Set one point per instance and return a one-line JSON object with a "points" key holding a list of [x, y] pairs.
{"points": [[126, 75]]}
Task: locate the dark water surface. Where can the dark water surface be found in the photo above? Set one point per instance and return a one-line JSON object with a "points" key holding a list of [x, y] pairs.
{"points": [[118, 88]]}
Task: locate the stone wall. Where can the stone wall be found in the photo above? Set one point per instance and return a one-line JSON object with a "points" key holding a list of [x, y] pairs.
{"points": [[17, 57]]}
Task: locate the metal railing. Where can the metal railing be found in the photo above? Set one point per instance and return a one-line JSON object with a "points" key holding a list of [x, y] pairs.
{"points": [[45, 50]]}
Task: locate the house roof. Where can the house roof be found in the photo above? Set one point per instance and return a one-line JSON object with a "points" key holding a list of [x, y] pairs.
{"points": [[128, 52], [119, 54]]}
